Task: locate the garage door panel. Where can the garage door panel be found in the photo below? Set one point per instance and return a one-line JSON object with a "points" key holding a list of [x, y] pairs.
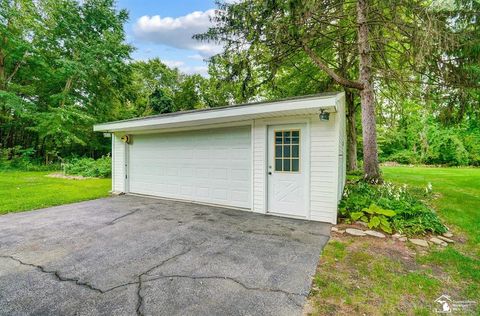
{"points": [[212, 166]]}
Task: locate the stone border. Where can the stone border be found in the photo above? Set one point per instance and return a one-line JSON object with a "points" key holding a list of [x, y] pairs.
{"points": [[440, 240]]}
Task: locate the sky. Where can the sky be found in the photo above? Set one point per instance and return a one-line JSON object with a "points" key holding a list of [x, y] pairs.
{"points": [[164, 29]]}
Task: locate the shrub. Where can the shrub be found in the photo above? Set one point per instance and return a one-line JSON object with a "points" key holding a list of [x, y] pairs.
{"points": [[89, 167], [472, 145], [446, 148], [374, 216], [405, 157], [396, 205], [18, 158]]}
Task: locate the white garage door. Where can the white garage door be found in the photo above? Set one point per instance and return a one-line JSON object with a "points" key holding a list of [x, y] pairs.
{"points": [[212, 166]]}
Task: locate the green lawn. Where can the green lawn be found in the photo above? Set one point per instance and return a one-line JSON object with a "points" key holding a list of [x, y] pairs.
{"points": [[459, 203], [22, 191], [387, 277]]}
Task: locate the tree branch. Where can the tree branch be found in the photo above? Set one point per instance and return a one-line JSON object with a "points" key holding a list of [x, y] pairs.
{"points": [[17, 66], [66, 89], [335, 76]]}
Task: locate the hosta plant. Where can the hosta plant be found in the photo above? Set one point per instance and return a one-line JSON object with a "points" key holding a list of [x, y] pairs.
{"points": [[411, 215], [375, 217]]}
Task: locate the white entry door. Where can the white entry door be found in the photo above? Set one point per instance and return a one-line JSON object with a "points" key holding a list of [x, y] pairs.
{"points": [[287, 169]]}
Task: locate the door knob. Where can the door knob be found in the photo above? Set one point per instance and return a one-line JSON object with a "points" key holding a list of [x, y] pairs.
{"points": [[270, 173]]}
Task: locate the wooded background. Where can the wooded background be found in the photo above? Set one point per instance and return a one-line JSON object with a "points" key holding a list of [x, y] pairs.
{"points": [[410, 70]]}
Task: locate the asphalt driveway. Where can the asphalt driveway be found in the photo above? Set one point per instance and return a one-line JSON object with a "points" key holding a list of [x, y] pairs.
{"points": [[134, 255]]}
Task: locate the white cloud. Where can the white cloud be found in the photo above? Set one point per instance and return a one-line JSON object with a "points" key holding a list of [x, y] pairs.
{"points": [[200, 70], [187, 69], [178, 32], [174, 63], [196, 57]]}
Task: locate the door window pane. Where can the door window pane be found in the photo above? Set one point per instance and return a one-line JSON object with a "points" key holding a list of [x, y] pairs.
{"points": [[278, 151], [278, 165], [295, 151], [286, 164], [295, 165], [278, 137], [287, 151]]}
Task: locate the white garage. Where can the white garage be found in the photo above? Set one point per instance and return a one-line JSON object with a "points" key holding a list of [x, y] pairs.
{"points": [[282, 158]]}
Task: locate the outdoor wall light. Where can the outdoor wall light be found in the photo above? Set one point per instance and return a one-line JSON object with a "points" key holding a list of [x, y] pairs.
{"points": [[324, 116]]}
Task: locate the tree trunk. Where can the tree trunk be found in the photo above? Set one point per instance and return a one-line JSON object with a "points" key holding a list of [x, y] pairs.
{"points": [[351, 131], [2, 70], [370, 152], [66, 89]]}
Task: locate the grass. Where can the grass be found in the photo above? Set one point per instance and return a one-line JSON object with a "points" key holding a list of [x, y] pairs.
{"points": [[384, 276], [23, 191], [356, 275], [459, 203]]}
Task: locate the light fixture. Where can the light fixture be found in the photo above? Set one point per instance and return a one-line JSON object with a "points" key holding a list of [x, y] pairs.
{"points": [[127, 139], [324, 116]]}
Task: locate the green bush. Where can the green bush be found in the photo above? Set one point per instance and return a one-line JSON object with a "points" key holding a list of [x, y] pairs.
{"points": [[89, 167], [471, 141], [18, 158], [405, 157], [411, 215], [375, 217], [446, 148]]}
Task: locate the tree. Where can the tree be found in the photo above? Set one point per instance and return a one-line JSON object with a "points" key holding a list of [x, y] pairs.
{"points": [[187, 95], [160, 102], [64, 66], [151, 82], [155, 88], [273, 31]]}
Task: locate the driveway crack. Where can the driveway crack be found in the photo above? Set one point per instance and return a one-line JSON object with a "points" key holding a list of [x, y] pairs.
{"points": [[89, 286], [141, 279], [249, 288], [56, 274], [140, 297]]}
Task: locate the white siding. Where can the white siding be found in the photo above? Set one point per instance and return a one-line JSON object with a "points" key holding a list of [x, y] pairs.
{"points": [[118, 164], [342, 149], [323, 169], [259, 130]]}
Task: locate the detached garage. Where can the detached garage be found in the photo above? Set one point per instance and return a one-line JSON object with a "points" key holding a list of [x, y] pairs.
{"points": [[283, 158]]}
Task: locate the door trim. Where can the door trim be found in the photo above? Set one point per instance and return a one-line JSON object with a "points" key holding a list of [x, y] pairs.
{"points": [[306, 164], [126, 167]]}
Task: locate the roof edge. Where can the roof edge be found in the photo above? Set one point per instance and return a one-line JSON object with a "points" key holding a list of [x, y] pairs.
{"points": [[337, 95]]}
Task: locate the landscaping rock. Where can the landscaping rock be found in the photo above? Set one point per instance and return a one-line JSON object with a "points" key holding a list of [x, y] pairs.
{"points": [[419, 242], [361, 223], [446, 239], [397, 236], [448, 234], [402, 239], [437, 241], [374, 233], [355, 232], [338, 231]]}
